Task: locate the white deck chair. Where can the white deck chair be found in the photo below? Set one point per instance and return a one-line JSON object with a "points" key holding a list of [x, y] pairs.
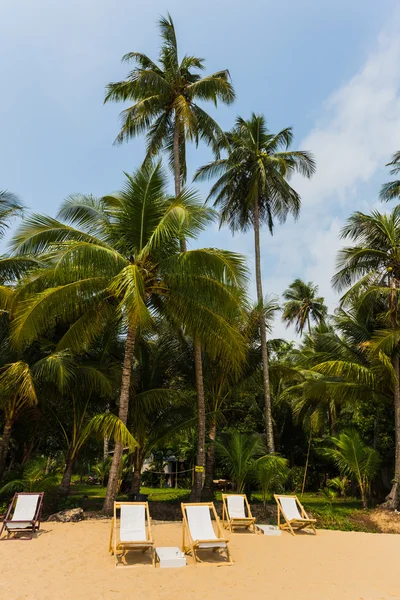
{"points": [[23, 515], [132, 531], [294, 514], [198, 528], [234, 509]]}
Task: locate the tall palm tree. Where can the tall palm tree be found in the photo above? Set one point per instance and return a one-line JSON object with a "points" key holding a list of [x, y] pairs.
{"points": [[253, 189], [391, 190], [371, 269], [166, 100], [166, 97], [303, 304], [118, 258]]}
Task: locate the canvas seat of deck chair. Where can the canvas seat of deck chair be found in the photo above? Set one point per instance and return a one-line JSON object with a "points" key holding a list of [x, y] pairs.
{"points": [[293, 513], [132, 530], [23, 515], [236, 512], [199, 533]]}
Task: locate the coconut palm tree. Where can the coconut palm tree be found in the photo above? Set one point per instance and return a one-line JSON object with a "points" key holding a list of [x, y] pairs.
{"points": [[371, 270], [239, 453], [166, 100], [252, 189], [354, 458], [391, 190], [117, 258], [303, 305]]}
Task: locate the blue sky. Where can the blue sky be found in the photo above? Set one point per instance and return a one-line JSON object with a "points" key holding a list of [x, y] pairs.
{"points": [[328, 68]]}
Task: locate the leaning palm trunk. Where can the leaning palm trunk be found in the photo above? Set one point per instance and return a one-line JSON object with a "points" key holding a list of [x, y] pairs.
{"points": [[201, 424], [113, 478], [65, 484], [269, 431], [208, 489]]}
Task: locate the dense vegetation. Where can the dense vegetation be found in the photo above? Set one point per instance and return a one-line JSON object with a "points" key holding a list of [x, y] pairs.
{"points": [[122, 346]]}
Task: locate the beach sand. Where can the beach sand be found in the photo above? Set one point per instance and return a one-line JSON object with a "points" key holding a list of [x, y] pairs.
{"points": [[71, 562]]}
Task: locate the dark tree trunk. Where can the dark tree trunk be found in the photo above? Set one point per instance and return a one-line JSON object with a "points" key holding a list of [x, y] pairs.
{"points": [[201, 424], [208, 489], [113, 477], [137, 473], [269, 430], [65, 484], [393, 499], [5, 445], [177, 164]]}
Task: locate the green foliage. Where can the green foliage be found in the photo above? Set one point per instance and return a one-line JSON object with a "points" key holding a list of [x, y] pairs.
{"points": [[239, 454], [272, 474], [37, 476], [166, 99], [354, 458], [340, 484], [303, 306]]}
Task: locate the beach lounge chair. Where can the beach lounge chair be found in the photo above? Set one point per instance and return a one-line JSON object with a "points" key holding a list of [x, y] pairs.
{"points": [[23, 515], [236, 512], [198, 530], [132, 530], [294, 514]]}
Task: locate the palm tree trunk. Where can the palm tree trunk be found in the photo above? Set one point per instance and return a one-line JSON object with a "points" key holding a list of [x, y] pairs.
{"points": [[306, 467], [105, 448], [201, 424], [65, 484], [208, 489], [263, 332], [4, 445], [177, 172], [393, 499], [123, 415], [177, 164], [137, 472], [309, 324]]}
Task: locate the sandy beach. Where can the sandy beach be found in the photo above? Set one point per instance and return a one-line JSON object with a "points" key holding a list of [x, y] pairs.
{"points": [[71, 562]]}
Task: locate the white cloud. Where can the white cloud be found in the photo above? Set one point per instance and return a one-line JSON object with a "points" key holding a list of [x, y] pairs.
{"points": [[357, 132]]}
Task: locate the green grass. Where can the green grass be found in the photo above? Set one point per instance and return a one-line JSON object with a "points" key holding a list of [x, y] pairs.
{"points": [[344, 515], [95, 494]]}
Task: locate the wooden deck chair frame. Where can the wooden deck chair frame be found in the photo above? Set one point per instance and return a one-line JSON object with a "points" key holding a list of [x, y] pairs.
{"points": [[116, 546], [230, 523], [192, 546], [34, 523], [292, 524]]}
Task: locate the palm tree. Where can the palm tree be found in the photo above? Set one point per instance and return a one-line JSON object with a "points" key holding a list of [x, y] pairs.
{"points": [[391, 190], [35, 477], [371, 269], [10, 268], [253, 189], [354, 458], [122, 263], [10, 206], [303, 304], [239, 453], [166, 100], [17, 391], [166, 97]]}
